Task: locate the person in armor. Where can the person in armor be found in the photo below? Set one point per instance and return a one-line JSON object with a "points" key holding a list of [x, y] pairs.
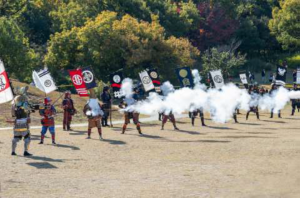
{"points": [[106, 99], [253, 91], [168, 116], [21, 113], [47, 111], [274, 88], [130, 113], [295, 102], [94, 113], [69, 111], [194, 114], [236, 111]]}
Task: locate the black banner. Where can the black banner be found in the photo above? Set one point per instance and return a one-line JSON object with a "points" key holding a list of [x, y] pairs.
{"points": [[89, 78], [116, 83], [155, 79], [185, 77], [281, 75]]}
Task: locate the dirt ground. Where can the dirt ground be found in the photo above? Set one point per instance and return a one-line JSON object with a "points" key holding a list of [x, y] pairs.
{"points": [[250, 159]]}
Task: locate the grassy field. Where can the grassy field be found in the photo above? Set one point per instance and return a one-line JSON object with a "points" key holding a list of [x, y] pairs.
{"points": [[252, 159]]}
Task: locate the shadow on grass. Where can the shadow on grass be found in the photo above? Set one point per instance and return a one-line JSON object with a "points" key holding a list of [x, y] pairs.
{"points": [[190, 132], [75, 148], [114, 142], [120, 129], [203, 141], [77, 132], [222, 128], [45, 159], [247, 137], [273, 121], [244, 123], [42, 165]]}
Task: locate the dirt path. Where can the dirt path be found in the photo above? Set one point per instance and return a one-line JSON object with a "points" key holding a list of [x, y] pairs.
{"points": [[250, 159]]}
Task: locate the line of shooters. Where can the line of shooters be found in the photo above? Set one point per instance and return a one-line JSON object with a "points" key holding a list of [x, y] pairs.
{"points": [[98, 114]]}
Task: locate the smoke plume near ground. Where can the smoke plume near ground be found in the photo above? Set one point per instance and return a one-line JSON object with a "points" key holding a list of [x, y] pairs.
{"points": [[220, 103]]}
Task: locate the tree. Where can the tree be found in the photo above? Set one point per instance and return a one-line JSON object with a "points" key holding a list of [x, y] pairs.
{"points": [[109, 44], [224, 58], [285, 24], [216, 28], [16, 54]]}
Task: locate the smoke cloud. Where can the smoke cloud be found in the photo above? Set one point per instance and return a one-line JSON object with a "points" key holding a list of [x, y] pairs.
{"points": [[220, 103]]}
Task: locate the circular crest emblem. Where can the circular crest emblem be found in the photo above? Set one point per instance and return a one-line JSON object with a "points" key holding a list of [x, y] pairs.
{"points": [[117, 79], [218, 79], [88, 76], [77, 79], [146, 80], [153, 74], [48, 83], [183, 73], [2, 82]]}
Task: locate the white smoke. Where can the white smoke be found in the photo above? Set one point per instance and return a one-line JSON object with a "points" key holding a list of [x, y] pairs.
{"points": [[220, 103], [127, 87], [95, 109]]}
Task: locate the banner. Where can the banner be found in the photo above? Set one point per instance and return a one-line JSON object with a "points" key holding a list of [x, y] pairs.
{"points": [[298, 76], [43, 81], [280, 75], [6, 94], [244, 79], [77, 79], [155, 79], [185, 77], [217, 78], [116, 83], [146, 81], [89, 78]]}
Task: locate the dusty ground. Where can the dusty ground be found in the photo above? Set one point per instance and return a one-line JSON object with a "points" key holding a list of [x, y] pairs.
{"points": [[251, 159]]}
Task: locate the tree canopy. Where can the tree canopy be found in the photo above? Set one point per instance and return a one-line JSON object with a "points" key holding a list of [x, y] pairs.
{"points": [[131, 35]]}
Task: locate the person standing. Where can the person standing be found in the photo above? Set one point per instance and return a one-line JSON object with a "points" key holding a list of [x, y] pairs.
{"points": [[69, 111], [273, 89], [130, 113], [253, 103], [106, 99], [21, 129], [295, 102], [47, 111], [94, 113], [263, 76], [194, 114], [294, 76], [168, 116]]}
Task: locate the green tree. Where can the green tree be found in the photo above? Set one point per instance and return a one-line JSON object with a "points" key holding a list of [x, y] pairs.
{"points": [[224, 58], [16, 54], [285, 24], [109, 44]]}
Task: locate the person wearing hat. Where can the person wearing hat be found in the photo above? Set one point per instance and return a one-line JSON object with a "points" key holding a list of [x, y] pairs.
{"points": [[130, 113], [106, 99], [94, 113], [21, 113], [69, 111], [47, 111]]}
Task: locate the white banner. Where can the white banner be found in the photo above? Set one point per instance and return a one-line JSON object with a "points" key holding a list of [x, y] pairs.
{"points": [[146, 80], [244, 79], [217, 78], [298, 76], [6, 94], [43, 81]]}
